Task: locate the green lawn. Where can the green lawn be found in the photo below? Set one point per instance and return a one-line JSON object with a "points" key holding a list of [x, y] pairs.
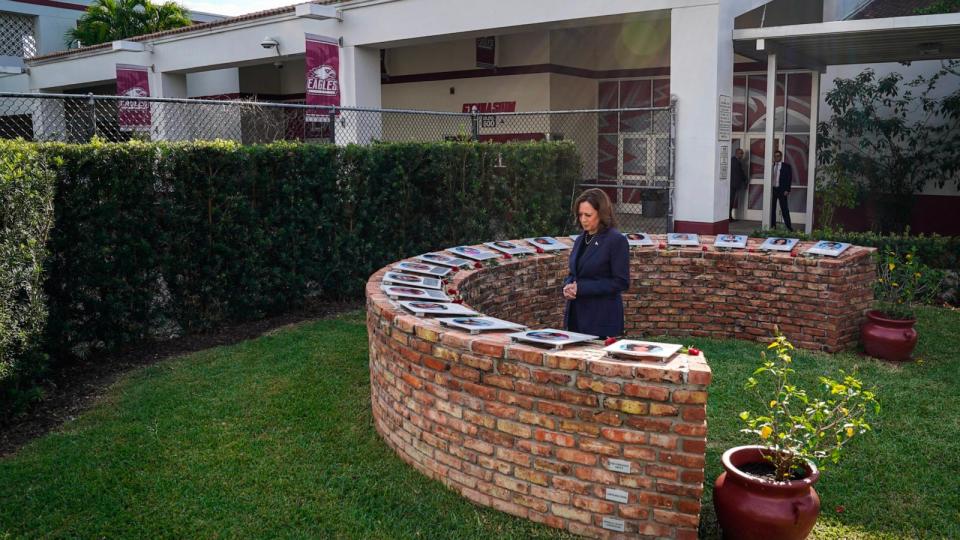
{"points": [[273, 438]]}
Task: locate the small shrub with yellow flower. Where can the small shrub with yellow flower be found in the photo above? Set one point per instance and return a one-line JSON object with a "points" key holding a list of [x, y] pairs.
{"points": [[903, 281], [796, 426]]}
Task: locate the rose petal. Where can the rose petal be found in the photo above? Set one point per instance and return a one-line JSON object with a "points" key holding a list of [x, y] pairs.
{"points": [[610, 341]]}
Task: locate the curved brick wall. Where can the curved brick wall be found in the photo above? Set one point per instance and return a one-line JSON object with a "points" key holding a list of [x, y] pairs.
{"points": [[546, 435]]}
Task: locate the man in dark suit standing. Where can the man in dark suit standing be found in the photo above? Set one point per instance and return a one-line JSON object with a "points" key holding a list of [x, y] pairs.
{"points": [[738, 181], [782, 179]]}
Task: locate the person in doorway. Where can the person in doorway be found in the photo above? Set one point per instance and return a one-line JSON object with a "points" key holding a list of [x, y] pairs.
{"points": [[599, 269], [782, 180], [738, 181]]}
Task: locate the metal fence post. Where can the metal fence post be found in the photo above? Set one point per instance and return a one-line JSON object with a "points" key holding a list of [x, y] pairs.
{"points": [[474, 123], [333, 125], [93, 115]]}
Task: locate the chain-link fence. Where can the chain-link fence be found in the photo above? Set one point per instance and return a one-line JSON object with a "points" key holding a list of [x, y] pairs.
{"points": [[629, 153]]}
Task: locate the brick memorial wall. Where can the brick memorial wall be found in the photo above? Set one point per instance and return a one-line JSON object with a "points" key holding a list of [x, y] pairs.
{"points": [[572, 438]]}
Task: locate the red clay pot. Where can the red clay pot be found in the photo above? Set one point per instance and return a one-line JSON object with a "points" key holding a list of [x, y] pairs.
{"points": [[752, 508], [889, 339]]}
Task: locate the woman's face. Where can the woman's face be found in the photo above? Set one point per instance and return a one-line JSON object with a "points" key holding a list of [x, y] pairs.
{"points": [[589, 217]]}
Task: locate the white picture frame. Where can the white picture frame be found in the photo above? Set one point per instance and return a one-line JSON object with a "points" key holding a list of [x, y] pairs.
{"points": [[683, 239], [508, 247], [422, 308], [475, 253], [396, 292], [546, 243], [776, 243], [550, 337], [443, 259], [641, 239], [731, 241], [642, 350], [412, 280], [422, 268], [828, 248], [475, 325]]}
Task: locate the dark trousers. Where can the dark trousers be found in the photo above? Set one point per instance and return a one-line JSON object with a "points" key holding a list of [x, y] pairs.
{"points": [[780, 195]]}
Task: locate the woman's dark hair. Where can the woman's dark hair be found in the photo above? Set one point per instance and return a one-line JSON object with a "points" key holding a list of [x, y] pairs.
{"points": [[601, 203]]}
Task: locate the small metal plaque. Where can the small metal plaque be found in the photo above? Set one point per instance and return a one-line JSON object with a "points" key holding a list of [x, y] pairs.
{"points": [[617, 495], [619, 465], [613, 524]]}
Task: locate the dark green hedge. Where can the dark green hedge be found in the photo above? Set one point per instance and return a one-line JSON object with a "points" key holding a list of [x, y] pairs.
{"points": [[26, 215], [159, 239], [935, 251]]}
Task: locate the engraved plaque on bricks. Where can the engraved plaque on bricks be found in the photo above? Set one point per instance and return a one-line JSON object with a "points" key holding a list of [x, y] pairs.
{"points": [[618, 465], [617, 495], [613, 524]]}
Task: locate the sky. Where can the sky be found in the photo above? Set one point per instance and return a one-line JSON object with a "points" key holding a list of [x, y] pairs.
{"points": [[235, 7]]}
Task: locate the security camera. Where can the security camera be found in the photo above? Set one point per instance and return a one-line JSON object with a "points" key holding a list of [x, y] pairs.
{"points": [[269, 43]]}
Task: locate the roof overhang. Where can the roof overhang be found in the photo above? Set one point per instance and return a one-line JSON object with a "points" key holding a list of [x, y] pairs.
{"points": [[867, 41]]}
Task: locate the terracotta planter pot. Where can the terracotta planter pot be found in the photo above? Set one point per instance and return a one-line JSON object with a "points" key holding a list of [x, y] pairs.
{"points": [[889, 339], [751, 508]]}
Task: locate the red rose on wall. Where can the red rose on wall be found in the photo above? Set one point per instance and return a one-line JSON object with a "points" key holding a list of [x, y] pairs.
{"points": [[610, 341], [539, 249], [507, 256], [477, 265]]}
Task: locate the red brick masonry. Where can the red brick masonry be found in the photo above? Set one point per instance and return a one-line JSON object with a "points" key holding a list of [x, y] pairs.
{"points": [[538, 433]]}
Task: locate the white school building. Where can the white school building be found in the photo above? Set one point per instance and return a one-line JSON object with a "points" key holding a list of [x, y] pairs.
{"points": [[722, 62]]}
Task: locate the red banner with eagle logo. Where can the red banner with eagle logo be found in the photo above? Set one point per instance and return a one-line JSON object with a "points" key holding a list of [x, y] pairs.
{"points": [[323, 76], [132, 81]]}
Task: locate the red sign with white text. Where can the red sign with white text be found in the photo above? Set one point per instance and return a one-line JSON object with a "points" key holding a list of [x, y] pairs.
{"points": [[323, 76], [132, 81], [491, 107]]}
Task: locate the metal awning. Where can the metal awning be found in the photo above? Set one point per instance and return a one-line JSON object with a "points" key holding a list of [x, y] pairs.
{"points": [[867, 41]]}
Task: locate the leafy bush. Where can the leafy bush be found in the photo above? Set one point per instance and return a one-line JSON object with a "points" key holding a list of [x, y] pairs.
{"points": [[903, 281], [158, 239], [796, 426], [26, 194]]}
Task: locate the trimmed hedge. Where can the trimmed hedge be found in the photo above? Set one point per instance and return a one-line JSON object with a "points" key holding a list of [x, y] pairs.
{"points": [[26, 215], [154, 240]]}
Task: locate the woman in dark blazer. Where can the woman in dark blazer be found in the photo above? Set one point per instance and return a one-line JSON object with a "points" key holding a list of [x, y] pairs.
{"points": [[599, 269]]}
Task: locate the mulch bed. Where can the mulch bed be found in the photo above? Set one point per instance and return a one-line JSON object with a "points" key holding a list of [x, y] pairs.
{"points": [[76, 387]]}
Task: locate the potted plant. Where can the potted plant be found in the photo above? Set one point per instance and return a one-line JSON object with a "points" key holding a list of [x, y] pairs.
{"points": [[766, 490], [889, 330]]}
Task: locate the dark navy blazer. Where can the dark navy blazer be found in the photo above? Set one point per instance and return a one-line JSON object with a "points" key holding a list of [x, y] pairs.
{"points": [[602, 275]]}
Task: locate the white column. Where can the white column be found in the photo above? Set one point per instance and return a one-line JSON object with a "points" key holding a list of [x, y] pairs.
{"points": [[812, 149], [771, 108], [49, 120], [170, 121], [359, 87], [701, 70]]}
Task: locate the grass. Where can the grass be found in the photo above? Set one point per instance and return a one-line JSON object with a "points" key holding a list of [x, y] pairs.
{"points": [[273, 438]]}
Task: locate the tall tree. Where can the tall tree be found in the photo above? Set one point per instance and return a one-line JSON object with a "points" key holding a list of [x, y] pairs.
{"points": [[109, 20]]}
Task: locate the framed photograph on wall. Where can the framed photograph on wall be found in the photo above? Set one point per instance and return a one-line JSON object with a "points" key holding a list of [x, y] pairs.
{"points": [[828, 248], [683, 239], [547, 243], [411, 280], [642, 350], [778, 244], [639, 239], [422, 268], [445, 260], [475, 253], [551, 337], [396, 292], [508, 247], [732, 241], [421, 308], [475, 325]]}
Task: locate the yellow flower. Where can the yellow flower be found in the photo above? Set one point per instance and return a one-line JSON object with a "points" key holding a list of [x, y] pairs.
{"points": [[916, 274], [765, 432], [849, 432], [773, 404], [891, 266]]}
